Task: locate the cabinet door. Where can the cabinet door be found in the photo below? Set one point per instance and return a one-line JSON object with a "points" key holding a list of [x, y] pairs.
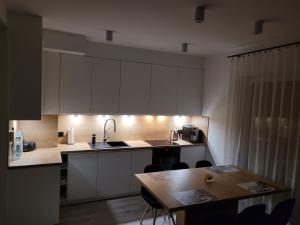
{"points": [[114, 170], [82, 176], [190, 92], [105, 86], [25, 66], [135, 88], [192, 154], [164, 85], [75, 84], [140, 159], [34, 193], [51, 67]]}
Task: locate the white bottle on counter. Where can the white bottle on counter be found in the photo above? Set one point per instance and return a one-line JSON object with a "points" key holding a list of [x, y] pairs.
{"points": [[17, 149], [71, 136]]}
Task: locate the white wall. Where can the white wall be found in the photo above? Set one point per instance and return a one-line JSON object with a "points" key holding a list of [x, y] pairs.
{"points": [[64, 42], [77, 44], [215, 104], [103, 50]]}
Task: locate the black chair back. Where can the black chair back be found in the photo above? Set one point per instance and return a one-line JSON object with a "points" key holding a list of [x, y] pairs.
{"points": [[203, 163], [282, 212], [153, 168], [146, 194], [180, 166], [253, 215]]}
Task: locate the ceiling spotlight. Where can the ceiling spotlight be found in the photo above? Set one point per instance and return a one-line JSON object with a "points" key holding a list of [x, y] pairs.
{"points": [[109, 35], [199, 14], [258, 27], [184, 47]]}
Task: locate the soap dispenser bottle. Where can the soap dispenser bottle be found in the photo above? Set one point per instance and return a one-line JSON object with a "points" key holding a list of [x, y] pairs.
{"points": [[17, 149]]}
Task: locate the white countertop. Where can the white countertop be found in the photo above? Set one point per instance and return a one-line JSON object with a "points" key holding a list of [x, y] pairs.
{"points": [[52, 156]]}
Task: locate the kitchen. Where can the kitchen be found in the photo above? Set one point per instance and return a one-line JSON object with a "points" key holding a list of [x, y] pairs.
{"points": [[89, 110]]}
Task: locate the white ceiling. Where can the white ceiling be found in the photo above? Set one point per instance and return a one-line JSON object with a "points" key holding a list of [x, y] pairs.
{"points": [[165, 24]]}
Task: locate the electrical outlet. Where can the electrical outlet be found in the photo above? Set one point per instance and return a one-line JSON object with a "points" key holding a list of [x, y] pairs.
{"points": [[60, 134]]}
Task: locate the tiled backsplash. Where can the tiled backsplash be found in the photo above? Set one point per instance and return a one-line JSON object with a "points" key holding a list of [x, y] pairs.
{"points": [[44, 132]]}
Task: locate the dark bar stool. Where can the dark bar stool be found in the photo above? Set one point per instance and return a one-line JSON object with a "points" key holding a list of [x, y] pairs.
{"points": [[151, 201], [203, 163], [282, 213], [255, 214], [180, 166]]}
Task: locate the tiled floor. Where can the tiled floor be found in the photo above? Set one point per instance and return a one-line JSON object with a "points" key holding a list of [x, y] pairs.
{"points": [[123, 211]]}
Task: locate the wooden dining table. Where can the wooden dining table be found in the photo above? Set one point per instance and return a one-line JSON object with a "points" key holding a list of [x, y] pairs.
{"points": [[224, 191]]}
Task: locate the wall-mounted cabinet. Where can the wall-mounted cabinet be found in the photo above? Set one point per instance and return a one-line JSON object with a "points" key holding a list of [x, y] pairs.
{"points": [[78, 84], [75, 84], [25, 66], [105, 86], [190, 92], [50, 94], [135, 88], [164, 90]]}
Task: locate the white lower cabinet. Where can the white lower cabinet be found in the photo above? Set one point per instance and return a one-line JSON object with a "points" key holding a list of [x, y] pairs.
{"points": [[192, 154], [111, 174], [33, 195], [82, 176], [140, 159], [114, 171]]}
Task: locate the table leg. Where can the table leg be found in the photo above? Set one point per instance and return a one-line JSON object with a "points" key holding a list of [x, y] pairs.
{"points": [[199, 215]]}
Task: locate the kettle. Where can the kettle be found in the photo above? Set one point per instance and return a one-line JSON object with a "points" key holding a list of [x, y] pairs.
{"points": [[174, 136]]}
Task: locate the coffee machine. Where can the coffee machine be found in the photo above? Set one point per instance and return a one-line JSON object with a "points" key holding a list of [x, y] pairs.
{"points": [[192, 134]]}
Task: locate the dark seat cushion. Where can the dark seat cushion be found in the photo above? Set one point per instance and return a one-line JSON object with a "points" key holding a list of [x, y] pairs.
{"points": [[203, 163], [253, 215], [180, 166], [150, 199]]}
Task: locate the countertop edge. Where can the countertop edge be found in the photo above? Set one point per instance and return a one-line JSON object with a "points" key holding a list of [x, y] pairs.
{"points": [[60, 150]]}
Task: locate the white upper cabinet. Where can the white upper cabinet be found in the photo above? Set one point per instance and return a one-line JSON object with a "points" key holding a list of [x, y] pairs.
{"points": [[135, 88], [75, 84], [51, 68], [105, 86], [25, 66], [190, 92], [164, 88]]}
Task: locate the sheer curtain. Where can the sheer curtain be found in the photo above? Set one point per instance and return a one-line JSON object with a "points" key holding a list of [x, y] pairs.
{"points": [[263, 130]]}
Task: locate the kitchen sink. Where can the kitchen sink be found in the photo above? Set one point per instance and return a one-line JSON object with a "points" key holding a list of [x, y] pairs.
{"points": [[117, 144], [109, 144]]}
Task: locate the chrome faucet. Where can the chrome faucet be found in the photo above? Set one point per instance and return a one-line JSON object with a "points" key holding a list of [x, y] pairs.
{"points": [[105, 130]]}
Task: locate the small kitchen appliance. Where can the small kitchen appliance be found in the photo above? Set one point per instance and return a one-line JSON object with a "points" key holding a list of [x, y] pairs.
{"points": [[174, 136], [29, 146], [192, 134]]}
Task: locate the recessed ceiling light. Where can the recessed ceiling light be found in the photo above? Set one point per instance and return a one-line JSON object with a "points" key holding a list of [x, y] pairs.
{"points": [[109, 35], [259, 27], [184, 47], [199, 14]]}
